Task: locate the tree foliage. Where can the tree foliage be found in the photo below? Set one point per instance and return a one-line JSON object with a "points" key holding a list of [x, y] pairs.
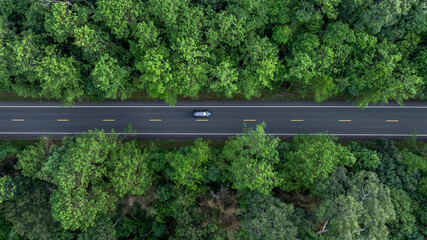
{"points": [[310, 159], [188, 169], [354, 206], [364, 51], [29, 212], [7, 188], [267, 217], [254, 186], [109, 79], [59, 76], [89, 173], [253, 156]]}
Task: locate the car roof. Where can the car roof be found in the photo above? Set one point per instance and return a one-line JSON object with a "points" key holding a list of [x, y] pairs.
{"points": [[200, 113]]}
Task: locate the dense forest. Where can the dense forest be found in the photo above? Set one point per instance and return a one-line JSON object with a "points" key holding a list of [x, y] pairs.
{"points": [[252, 186], [360, 50]]}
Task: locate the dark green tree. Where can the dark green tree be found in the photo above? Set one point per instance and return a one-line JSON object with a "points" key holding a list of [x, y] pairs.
{"points": [[365, 159], [405, 222], [267, 217], [30, 214], [354, 206]]}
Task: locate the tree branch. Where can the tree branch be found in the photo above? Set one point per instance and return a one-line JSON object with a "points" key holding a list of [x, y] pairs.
{"points": [[324, 228]]}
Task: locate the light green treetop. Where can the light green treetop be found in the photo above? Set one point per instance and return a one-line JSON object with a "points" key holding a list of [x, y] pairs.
{"points": [[252, 157]]}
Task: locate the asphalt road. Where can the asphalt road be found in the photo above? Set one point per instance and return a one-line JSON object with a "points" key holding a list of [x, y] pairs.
{"points": [[157, 120]]}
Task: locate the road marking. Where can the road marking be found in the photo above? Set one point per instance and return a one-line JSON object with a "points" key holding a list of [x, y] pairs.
{"points": [[249, 120], [108, 120], [344, 120], [202, 120], [297, 120], [17, 120], [392, 120], [155, 120], [62, 120]]}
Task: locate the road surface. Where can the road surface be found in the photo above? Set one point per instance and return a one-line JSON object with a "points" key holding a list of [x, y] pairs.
{"points": [[156, 120]]}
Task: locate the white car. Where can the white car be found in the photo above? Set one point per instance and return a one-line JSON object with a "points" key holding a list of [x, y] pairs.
{"points": [[202, 113]]}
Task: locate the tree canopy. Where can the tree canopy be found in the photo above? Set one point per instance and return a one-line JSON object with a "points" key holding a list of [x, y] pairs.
{"points": [[309, 159], [251, 186], [253, 156], [363, 51]]}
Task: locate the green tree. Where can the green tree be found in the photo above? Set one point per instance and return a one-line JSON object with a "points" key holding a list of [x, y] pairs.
{"points": [[307, 15], [7, 150], [365, 159], [311, 159], [103, 229], [30, 214], [189, 169], [92, 41], [392, 171], [417, 163], [60, 21], [225, 79], [7, 188], [376, 74], [254, 13], [109, 79], [226, 29], [156, 77], [128, 170], [354, 206], [32, 159], [4, 71], [382, 13], [5, 228], [81, 194], [59, 76], [119, 16], [166, 13], [252, 157], [147, 34], [266, 217], [88, 174], [23, 61], [189, 66], [260, 66], [405, 222], [308, 75]]}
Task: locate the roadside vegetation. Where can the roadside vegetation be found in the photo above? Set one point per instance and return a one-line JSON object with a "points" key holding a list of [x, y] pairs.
{"points": [[72, 50], [253, 186]]}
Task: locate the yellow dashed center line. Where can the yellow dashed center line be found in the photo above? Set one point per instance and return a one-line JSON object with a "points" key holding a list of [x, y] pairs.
{"points": [[155, 120], [17, 120], [344, 120], [249, 120], [202, 120], [392, 120], [297, 120], [62, 120], [108, 120]]}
